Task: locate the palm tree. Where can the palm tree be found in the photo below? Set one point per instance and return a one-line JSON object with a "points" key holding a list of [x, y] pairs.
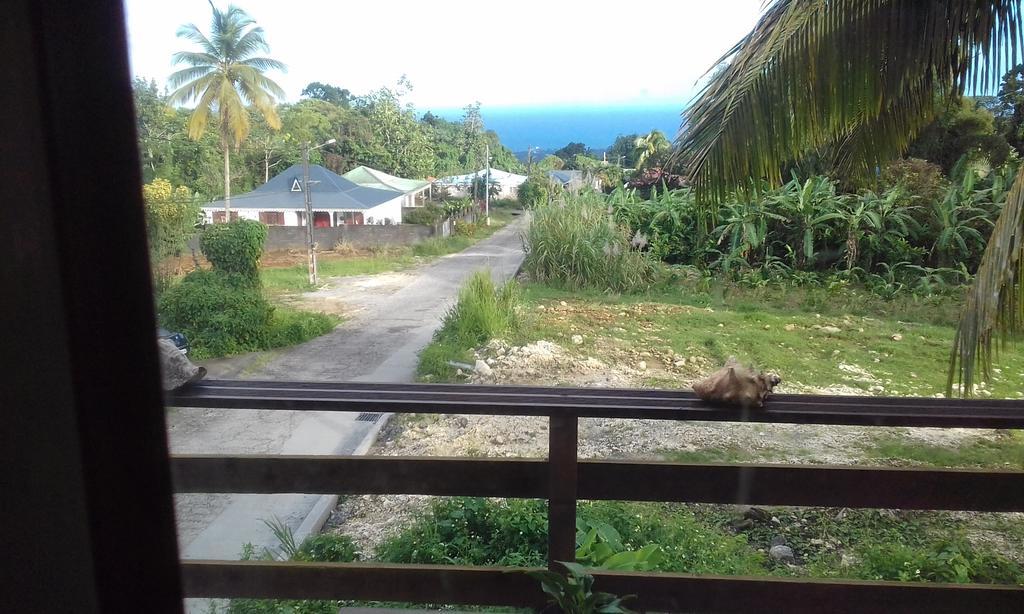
{"points": [[857, 80], [651, 149], [225, 77]]}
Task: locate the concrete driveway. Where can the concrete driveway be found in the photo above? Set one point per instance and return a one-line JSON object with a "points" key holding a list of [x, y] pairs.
{"points": [[389, 324]]}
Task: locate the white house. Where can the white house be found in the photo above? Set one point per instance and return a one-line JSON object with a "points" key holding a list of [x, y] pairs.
{"points": [[372, 178], [507, 183], [335, 201]]}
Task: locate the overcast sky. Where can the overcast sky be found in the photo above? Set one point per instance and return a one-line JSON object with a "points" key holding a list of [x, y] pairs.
{"points": [[516, 53]]}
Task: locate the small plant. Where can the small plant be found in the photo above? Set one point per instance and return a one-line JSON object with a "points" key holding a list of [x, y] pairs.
{"points": [[575, 594], [598, 544]]}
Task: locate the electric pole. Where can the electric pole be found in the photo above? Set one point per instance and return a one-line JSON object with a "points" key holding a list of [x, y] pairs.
{"points": [[487, 184], [310, 252]]}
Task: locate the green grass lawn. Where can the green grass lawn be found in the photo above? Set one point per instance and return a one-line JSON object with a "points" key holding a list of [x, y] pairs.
{"points": [[881, 351], [296, 278]]}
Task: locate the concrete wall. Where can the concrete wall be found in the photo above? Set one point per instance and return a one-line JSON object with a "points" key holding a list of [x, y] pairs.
{"points": [[294, 237]]}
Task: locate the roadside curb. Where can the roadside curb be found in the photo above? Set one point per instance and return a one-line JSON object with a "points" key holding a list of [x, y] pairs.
{"points": [[321, 512]]}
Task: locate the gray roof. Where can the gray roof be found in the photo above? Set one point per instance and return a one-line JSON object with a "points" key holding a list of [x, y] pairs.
{"points": [[327, 190], [564, 177]]}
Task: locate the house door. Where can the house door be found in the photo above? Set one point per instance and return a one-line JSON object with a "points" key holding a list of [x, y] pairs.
{"points": [[321, 219], [218, 217]]}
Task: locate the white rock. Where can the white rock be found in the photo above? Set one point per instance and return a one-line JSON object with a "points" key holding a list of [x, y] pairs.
{"points": [[897, 337], [563, 304], [790, 327], [831, 330], [642, 365], [680, 363], [577, 339]]}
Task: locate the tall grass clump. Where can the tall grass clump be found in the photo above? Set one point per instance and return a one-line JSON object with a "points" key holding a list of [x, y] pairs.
{"points": [[484, 311], [572, 244]]}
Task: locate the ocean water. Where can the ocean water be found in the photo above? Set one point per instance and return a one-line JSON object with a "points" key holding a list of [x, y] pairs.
{"points": [[550, 128]]}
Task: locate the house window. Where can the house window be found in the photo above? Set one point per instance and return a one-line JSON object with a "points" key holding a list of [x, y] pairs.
{"points": [[349, 218], [218, 217], [272, 218]]}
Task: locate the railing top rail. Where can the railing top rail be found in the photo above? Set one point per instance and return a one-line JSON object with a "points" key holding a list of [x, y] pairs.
{"points": [[598, 403]]}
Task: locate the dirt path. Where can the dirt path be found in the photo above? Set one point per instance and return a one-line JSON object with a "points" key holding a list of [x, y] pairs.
{"points": [[391, 317]]}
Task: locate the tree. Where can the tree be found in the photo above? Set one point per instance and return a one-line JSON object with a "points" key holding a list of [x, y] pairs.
{"points": [[171, 218], [225, 77], [328, 93], [862, 79], [651, 150], [474, 141], [964, 132], [1010, 107], [569, 152], [623, 150]]}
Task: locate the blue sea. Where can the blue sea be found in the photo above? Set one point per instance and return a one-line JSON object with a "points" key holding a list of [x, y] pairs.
{"points": [[550, 128]]}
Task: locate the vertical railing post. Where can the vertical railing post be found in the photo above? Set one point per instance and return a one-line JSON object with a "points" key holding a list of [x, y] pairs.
{"points": [[562, 471]]}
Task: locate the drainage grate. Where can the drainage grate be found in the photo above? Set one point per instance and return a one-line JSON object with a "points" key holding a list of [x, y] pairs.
{"points": [[368, 417]]}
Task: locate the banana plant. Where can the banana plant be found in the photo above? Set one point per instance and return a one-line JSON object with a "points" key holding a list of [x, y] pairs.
{"points": [[808, 205]]}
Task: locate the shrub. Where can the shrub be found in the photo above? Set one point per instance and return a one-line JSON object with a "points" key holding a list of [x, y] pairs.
{"points": [[328, 548], [427, 216], [235, 247], [483, 312], [571, 243], [473, 532], [221, 313], [289, 327], [533, 191], [944, 561]]}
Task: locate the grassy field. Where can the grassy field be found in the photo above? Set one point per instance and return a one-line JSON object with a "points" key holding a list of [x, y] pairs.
{"points": [[840, 342], [333, 264]]}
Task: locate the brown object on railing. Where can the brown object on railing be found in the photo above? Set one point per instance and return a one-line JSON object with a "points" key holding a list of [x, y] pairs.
{"points": [[562, 479]]}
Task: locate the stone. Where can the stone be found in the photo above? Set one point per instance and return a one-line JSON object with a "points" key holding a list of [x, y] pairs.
{"points": [[491, 362], [577, 339], [462, 421], [642, 365], [817, 542], [778, 540], [790, 327], [782, 554], [679, 363], [540, 307], [175, 368], [831, 330], [897, 337], [563, 303], [757, 514]]}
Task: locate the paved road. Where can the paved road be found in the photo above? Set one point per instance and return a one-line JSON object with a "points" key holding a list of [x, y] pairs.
{"points": [[379, 343]]}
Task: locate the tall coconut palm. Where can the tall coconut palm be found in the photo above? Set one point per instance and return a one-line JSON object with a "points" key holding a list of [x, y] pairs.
{"points": [[651, 149], [224, 78], [858, 79]]}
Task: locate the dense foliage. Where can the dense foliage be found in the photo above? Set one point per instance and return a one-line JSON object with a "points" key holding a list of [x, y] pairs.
{"points": [[483, 312], [171, 218], [573, 243], [916, 230], [223, 311], [376, 129], [235, 247]]}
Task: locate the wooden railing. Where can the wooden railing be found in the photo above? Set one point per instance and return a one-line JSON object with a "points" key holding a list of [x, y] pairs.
{"points": [[562, 479]]}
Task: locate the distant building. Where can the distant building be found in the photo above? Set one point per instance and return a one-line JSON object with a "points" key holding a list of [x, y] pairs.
{"points": [[372, 178], [335, 201], [574, 181], [506, 182]]}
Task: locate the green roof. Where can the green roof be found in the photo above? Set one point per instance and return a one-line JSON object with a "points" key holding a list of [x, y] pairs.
{"points": [[372, 178]]}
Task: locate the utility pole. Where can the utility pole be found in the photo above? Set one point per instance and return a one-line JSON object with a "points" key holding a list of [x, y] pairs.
{"points": [[310, 252], [487, 184]]}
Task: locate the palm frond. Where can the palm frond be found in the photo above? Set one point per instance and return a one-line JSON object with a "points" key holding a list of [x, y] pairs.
{"points": [[250, 43], [192, 33], [994, 311], [191, 84], [256, 80], [195, 59], [818, 73], [263, 64]]}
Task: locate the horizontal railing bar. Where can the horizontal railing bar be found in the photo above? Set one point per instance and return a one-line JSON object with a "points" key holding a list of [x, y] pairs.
{"points": [[443, 584], [752, 484], [865, 411], [365, 475], [670, 397], [804, 485], [572, 392]]}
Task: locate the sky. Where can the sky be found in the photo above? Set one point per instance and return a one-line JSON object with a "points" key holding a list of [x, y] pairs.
{"points": [[514, 54]]}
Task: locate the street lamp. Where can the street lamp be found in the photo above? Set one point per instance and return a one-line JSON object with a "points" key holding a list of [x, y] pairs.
{"points": [[310, 253]]}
